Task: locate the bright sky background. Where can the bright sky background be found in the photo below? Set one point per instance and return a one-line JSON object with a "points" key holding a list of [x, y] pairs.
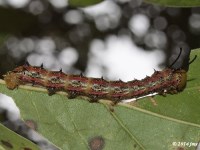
{"points": [[122, 59]]}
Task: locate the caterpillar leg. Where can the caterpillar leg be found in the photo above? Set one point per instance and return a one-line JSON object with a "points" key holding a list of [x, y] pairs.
{"points": [[51, 91], [94, 99], [72, 94], [163, 93], [113, 104]]}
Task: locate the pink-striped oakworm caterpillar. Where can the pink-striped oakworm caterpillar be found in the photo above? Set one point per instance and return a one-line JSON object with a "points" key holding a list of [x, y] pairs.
{"points": [[167, 81]]}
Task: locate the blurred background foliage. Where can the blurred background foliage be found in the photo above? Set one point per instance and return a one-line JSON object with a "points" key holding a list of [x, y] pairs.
{"points": [[59, 34], [62, 36]]}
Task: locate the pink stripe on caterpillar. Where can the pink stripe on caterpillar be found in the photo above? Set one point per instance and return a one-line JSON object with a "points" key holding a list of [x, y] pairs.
{"points": [[168, 81]]}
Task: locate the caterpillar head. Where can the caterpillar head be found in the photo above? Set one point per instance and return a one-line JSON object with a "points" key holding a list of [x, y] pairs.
{"points": [[180, 76], [11, 80], [12, 77]]}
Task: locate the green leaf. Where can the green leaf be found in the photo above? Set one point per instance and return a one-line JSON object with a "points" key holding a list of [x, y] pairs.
{"points": [[81, 3], [184, 105], [1, 148], [77, 124], [176, 3], [11, 140]]}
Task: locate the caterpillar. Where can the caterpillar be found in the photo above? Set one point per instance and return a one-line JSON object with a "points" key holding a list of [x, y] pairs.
{"points": [[167, 81]]}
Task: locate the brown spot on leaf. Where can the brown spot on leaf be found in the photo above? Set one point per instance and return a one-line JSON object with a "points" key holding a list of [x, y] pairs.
{"points": [[96, 143], [32, 124], [26, 148], [7, 144], [180, 148]]}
